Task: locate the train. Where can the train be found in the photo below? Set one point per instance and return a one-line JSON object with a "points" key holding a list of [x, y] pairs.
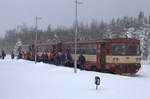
{"points": [[118, 56]]}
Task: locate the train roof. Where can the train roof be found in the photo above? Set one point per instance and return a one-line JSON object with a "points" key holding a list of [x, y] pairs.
{"points": [[41, 44], [107, 40], [90, 41]]}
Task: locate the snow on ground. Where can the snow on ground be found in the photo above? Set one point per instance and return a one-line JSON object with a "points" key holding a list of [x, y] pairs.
{"points": [[20, 79]]}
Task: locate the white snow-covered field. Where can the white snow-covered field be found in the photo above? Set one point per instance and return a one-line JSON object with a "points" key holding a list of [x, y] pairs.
{"points": [[20, 79]]}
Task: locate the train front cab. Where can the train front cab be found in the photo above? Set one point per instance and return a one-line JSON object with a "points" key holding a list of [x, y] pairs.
{"points": [[123, 56]]}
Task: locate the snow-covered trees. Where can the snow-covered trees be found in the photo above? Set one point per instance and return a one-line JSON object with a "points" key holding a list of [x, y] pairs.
{"points": [[135, 27], [17, 47]]}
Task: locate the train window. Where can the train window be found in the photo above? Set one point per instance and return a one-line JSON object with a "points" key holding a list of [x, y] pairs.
{"points": [[41, 49], [133, 49], [79, 49], [83, 49], [54, 47], [91, 49], [72, 49], [59, 47], [118, 48], [68, 48], [46, 50], [94, 49]]}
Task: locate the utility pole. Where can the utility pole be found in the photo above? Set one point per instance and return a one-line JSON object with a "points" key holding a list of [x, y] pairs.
{"points": [[76, 34], [36, 29]]}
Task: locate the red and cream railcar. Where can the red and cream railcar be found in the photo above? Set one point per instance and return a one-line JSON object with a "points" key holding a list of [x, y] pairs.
{"points": [[119, 56], [28, 51], [123, 56]]}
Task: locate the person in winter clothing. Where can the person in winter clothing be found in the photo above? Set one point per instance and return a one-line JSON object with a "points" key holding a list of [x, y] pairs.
{"points": [[42, 57], [46, 58], [81, 61], [19, 56], [62, 58], [12, 55], [50, 57], [3, 54], [57, 59], [68, 59], [28, 55], [31, 56]]}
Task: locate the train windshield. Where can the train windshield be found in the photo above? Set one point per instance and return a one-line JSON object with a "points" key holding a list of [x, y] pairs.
{"points": [[133, 49], [118, 48]]}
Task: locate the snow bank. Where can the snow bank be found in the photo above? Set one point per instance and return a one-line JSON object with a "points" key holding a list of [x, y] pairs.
{"points": [[21, 79]]}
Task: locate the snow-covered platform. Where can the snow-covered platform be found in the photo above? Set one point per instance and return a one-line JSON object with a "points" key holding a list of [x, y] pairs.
{"points": [[20, 79]]}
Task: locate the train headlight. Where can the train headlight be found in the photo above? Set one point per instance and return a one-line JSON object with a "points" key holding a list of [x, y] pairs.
{"points": [[117, 59], [114, 59], [137, 59]]}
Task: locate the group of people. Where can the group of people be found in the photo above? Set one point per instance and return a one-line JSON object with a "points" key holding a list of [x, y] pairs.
{"points": [[60, 58], [54, 57], [19, 56], [57, 58]]}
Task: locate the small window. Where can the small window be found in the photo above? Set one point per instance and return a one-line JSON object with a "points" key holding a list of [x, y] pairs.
{"points": [[118, 48], [68, 48], [133, 49], [72, 50], [83, 49], [91, 49]]}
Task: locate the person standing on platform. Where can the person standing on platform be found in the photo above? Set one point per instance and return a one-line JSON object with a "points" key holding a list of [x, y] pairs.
{"points": [[81, 61]]}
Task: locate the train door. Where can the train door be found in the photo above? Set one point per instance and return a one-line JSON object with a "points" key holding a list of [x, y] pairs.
{"points": [[102, 57], [98, 56]]}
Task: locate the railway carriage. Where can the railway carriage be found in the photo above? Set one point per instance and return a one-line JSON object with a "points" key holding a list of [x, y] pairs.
{"points": [[119, 56]]}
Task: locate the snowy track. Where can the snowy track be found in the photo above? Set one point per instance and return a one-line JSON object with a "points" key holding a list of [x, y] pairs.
{"points": [[20, 79]]}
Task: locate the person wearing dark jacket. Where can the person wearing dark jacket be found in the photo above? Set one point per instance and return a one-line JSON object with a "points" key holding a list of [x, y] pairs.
{"points": [[42, 57], [81, 61], [56, 59], [46, 58], [3, 54], [68, 59], [12, 55], [62, 58]]}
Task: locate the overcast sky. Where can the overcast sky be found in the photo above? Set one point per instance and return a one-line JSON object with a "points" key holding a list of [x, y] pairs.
{"points": [[61, 12]]}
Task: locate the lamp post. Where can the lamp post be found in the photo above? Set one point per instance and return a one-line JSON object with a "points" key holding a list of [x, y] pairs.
{"points": [[36, 27], [19, 27], [76, 34]]}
